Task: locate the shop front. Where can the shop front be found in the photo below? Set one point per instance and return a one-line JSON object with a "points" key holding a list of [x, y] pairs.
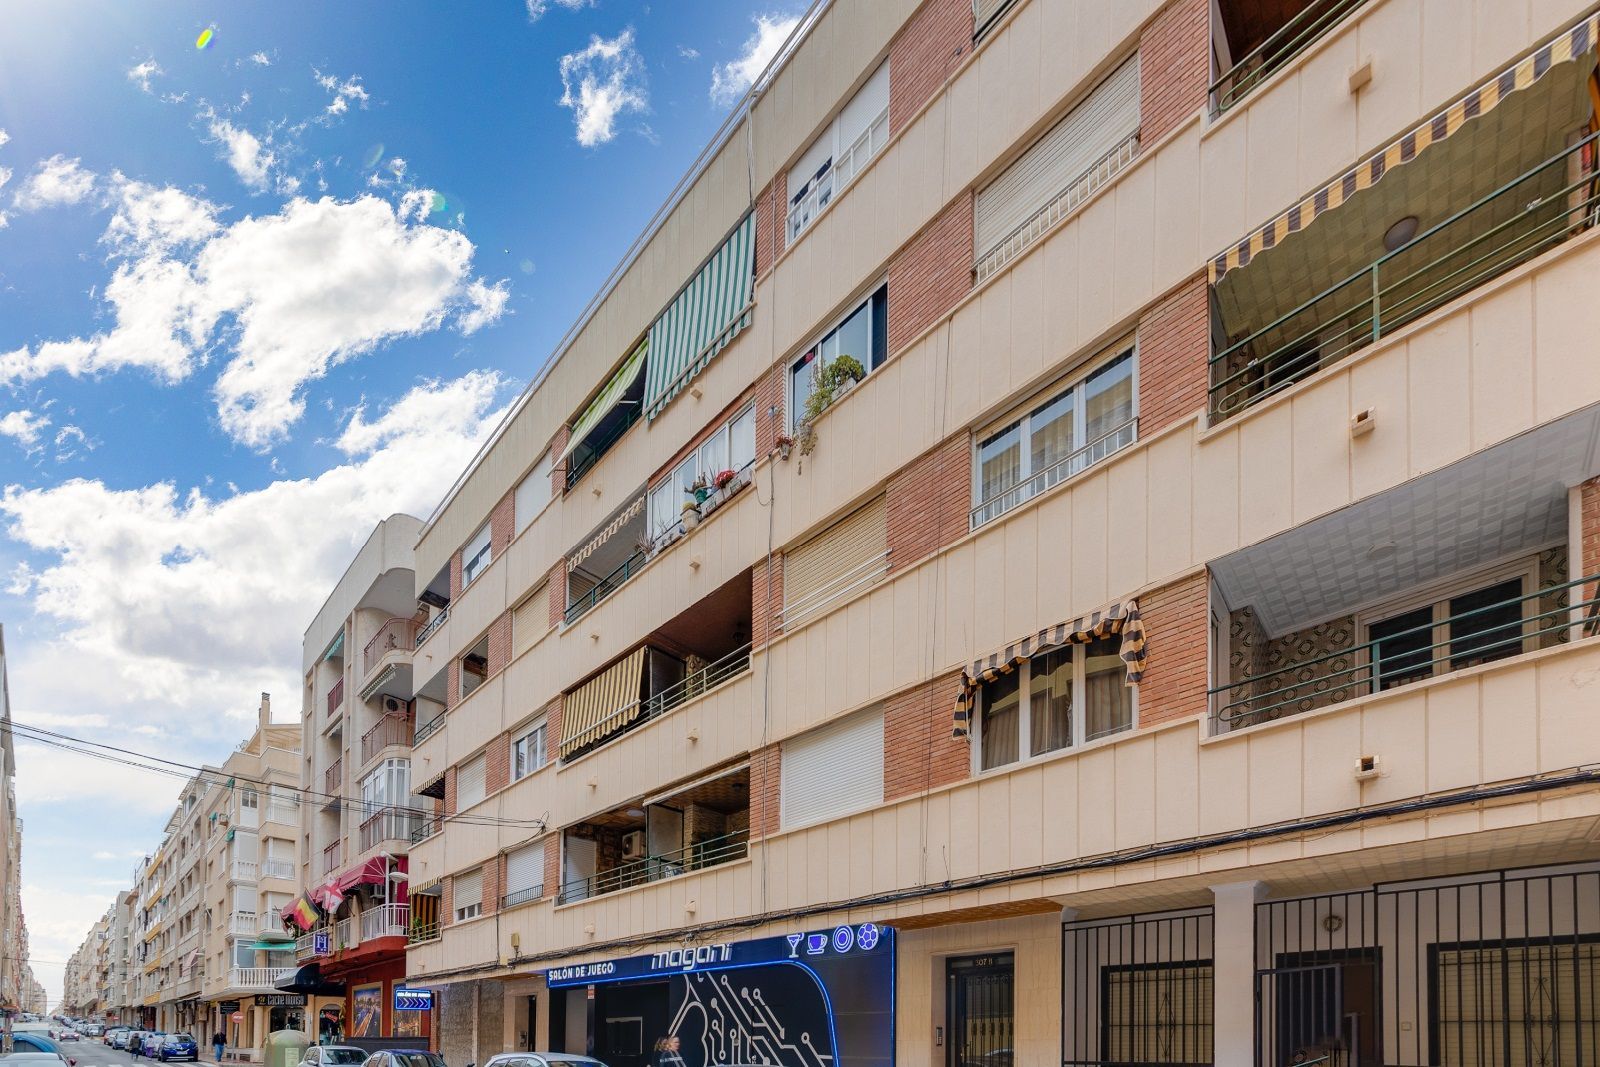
{"points": [[821, 998]]}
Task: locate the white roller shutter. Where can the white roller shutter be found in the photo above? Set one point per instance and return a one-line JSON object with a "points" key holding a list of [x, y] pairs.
{"points": [[1103, 120], [467, 890], [985, 12], [870, 101], [530, 620], [525, 869], [846, 556], [469, 783], [533, 493], [833, 771]]}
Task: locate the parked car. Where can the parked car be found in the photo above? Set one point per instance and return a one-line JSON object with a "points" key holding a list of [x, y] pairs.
{"points": [[34, 1059], [118, 1038], [152, 1043], [28, 1041], [178, 1047], [541, 1059], [334, 1056], [109, 1034], [404, 1057]]}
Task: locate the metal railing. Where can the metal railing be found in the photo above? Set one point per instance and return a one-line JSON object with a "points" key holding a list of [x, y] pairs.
{"points": [[333, 777], [332, 856], [599, 446], [425, 827], [390, 730], [1271, 55], [700, 682], [395, 635], [1055, 473], [336, 696], [418, 933], [388, 824], [427, 729], [522, 896], [857, 577], [305, 946], [346, 933], [605, 587], [1522, 219], [433, 624], [1410, 655], [386, 920], [710, 853]]}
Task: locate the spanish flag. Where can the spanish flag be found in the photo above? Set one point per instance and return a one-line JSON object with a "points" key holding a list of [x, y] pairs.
{"points": [[303, 913]]}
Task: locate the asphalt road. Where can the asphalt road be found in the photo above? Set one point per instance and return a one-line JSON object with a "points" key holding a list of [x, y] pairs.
{"points": [[91, 1053]]}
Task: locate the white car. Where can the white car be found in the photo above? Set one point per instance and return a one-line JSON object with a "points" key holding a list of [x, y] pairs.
{"points": [[334, 1056], [541, 1059]]}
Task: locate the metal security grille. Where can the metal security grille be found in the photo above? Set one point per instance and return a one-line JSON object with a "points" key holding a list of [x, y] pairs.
{"points": [[1486, 970], [981, 1001], [1138, 990]]}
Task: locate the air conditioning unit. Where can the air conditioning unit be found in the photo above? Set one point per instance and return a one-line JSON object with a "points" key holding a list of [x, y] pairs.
{"points": [[633, 845], [391, 706]]}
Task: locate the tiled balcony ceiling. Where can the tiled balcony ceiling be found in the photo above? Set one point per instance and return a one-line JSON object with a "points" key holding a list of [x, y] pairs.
{"points": [[1489, 507], [1529, 127]]}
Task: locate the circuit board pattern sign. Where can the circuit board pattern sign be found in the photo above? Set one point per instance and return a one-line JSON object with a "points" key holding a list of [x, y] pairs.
{"points": [[822, 998]]}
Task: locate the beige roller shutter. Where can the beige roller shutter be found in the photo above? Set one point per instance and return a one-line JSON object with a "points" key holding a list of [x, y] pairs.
{"points": [[530, 620], [984, 12], [833, 771], [1104, 119], [467, 889], [469, 783], [1530, 990], [524, 873], [848, 555]]}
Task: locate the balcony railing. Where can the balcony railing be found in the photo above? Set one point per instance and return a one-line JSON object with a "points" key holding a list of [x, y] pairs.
{"points": [[336, 696], [285, 813], [522, 896], [432, 625], [388, 824], [702, 681], [711, 853], [1482, 635], [278, 869], [256, 977], [305, 946], [242, 922], [1522, 219], [425, 827], [332, 856], [333, 777], [605, 587], [599, 446], [1055, 473], [394, 635], [390, 730], [1291, 39], [386, 920], [427, 729], [346, 934], [245, 870], [420, 933]]}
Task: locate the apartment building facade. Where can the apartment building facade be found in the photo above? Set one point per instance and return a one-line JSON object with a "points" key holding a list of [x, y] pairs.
{"points": [[1169, 635], [359, 715], [16, 974]]}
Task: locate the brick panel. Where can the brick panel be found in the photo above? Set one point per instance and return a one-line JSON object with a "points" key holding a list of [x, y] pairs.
{"points": [[1588, 561], [558, 593], [769, 411], [494, 877], [499, 642], [764, 607], [918, 751], [447, 897], [452, 684], [455, 574], [771, 218], [927, 502], [1174, 346], [552, 865], [1176, 623], [449, 791], [503, 524], [923, 54], [497, 765], [766, 769], [558, 472], [931, 274], [1174, 67]]}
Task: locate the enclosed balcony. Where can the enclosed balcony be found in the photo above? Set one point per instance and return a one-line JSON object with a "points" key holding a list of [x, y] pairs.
{"points": [[691, 828], [1253, 39], [1465, 567], [609, 415], [1497, 179]]}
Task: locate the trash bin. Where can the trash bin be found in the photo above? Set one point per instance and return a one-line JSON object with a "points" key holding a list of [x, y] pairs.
{"points": [[284, 1048]]}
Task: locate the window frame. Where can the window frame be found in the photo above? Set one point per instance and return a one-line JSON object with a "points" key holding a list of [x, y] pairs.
{"points": [[1437, 596], [801, 361], [826, 177], [471, 911], [1076, 383], [540, 727], [471, 569], [1080, 712], [694, 459]]}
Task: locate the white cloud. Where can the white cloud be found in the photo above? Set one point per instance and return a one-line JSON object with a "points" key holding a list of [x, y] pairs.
{"points": [[142, 73], [5, 176], [4, 137], [260, 59], [428, 404], [344, 93], [730, 80], [23, 426], [537, 8], [54, 182], [251, 161], [685, 52], [601, 82], [286, 296]]}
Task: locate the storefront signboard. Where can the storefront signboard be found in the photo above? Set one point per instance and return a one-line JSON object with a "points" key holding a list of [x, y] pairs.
{"points": [[280, 1000], [412, 999]]}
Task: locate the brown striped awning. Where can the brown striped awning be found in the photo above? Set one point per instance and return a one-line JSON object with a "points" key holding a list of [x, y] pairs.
{"points": [[1121, 617], [605, 533], [1578, 41], [604, 704]]}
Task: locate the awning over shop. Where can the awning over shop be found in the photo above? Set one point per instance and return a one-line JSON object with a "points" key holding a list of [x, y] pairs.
{"points": [[1121, 617], [308, 980], [603, 705], [704, 316], [1576, 42], [601, 406], [627, 512], [375, 871]]}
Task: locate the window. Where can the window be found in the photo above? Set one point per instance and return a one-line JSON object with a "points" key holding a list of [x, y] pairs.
{"points": [[524, 874], [1077, 427], [533, 493], [530, 620], [833, 770], [467, 895], [862, 334], [475, 666], [731, 447], [475, 556], [845, 558], [1051, 701], [840, 151], [1478, 621], [528, 752], [389, 785]]}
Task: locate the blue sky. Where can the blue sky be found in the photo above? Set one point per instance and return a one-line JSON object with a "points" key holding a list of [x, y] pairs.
{"points": [[256, 296]]}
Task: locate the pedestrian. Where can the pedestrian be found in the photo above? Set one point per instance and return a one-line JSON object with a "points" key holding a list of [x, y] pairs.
{"points": [[219, 1040], [667, 1052]]}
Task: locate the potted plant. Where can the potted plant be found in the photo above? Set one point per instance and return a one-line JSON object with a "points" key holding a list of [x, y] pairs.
{"points": [[828, 383], [782, 444], [690, 514], [723, 478]]}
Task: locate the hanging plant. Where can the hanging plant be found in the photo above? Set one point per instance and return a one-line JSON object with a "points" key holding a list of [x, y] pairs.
{"points": [[828, 383]]}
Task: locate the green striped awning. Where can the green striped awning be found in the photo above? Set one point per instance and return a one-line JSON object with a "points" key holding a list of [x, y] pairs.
{"points": [[602, 404], [703, 318], [335, 650]]}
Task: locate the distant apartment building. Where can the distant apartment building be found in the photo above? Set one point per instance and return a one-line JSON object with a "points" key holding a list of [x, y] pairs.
{"points": [[16, 974], [1073, 539]]}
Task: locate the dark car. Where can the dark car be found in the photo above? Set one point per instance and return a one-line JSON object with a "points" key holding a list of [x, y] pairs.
{"points": [[150, 1043], [178, 1047]]}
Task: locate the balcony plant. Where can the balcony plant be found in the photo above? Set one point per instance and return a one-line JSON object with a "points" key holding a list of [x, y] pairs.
{"points": [[828, 384]]}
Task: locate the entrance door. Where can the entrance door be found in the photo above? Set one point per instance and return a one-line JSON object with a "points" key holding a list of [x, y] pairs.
{"points": [[980, 997], [1327, 1008]]}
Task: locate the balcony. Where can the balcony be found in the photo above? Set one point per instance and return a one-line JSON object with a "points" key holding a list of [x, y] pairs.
{"points": [[433, 624], [280, 869], [390, 730], [394, 636], [424, 827], [388, 824], [613, 553], [1306, 291], [305, 944], [427, 729], [336, 696], [242, 922], [332, 856], [262, 978], [333, 778], [596, 590], [701, 826], [422, 932], [1266, 38], [385, 920], [283, 812]]}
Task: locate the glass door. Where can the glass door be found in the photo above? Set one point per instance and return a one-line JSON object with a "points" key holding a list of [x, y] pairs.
{"points": [[980, 1010]]}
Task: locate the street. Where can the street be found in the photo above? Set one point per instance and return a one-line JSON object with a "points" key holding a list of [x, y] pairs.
{"points": [[91, 1053]]}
